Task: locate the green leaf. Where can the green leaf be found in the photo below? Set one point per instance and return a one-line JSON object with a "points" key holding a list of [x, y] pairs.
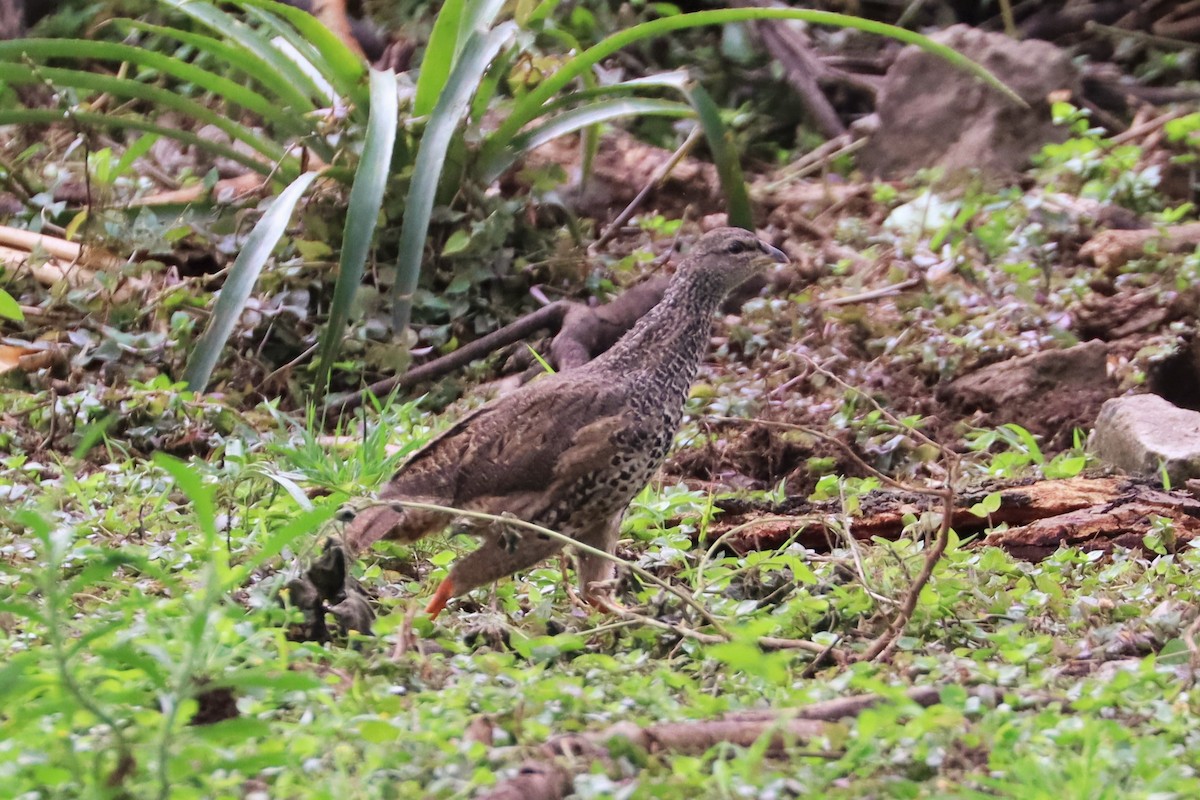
{"points": [[1030, 443], [241, 280], [292, 107], [304, 524], [989, 505], [10, 308], [595, 113], [285, 105], [376, 731], [1065, 465], [458, 241], [198, 492], [478, 52], [545, 365], [26, 610], [13, 674], [366, 198], [135, 151], [745, 656]]}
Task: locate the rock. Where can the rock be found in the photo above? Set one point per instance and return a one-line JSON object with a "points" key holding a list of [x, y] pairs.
{"points": [[1144, 434], [932, 114], [1049, 393]]}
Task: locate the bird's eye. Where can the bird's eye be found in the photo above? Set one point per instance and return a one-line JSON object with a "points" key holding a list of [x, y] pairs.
{"points": [[736, 247]]}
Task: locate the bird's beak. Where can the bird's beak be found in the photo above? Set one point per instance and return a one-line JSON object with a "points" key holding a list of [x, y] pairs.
{"points": [[775, 253]]}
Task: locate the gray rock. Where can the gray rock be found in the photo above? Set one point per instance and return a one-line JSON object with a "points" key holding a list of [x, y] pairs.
{"points": [[1144, 434], [932, 114]]}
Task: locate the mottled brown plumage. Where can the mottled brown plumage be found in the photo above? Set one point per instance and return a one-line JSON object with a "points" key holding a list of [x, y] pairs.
{"points": [[570, 450]]}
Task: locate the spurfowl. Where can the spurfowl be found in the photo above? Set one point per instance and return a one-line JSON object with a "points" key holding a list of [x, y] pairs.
{"points": [[570, 450]]}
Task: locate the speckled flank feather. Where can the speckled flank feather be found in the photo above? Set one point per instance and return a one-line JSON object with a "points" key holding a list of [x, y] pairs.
{"points": [[569, 451]]}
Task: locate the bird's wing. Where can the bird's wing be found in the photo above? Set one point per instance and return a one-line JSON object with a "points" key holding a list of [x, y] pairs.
{"points": [[517, 445]]}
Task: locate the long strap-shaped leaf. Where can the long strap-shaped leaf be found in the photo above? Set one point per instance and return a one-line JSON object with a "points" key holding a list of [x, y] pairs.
{"points": [[725, 156], [327, 54], [478, 52], [292, 102], [233, 29], [452, 29], [729, 170], [531, 106], [242, 277], [366, 197], [156, 96], [342, 65], [43, 116], [595, 113], [21, 50], [439, 57]]}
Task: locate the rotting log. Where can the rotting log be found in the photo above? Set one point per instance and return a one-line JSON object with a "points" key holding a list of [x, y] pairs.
{"points": [[1089, 513]]}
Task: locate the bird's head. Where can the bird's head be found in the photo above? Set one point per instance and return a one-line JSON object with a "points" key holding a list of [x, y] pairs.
{"points": [[725, 258]]}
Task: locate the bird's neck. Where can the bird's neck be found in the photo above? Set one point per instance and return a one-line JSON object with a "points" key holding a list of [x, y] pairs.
{"points": [[667, 343]]}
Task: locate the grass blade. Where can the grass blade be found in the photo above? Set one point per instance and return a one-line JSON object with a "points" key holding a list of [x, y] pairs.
{"points": [[241, 280], [479, 51], [729, 168], [366, 197]]}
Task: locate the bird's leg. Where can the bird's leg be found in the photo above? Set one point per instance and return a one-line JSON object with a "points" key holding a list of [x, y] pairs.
{"points": [[564, 563], [504, 550], [596, 574]]}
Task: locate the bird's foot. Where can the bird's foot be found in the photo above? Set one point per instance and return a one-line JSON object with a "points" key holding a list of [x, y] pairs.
{"points": [[600, 596], [445, 591]]}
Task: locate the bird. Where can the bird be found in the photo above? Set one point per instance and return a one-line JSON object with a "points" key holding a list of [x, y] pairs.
{"points": [[569, 450]]}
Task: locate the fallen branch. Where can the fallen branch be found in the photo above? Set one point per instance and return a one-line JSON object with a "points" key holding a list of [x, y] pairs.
{"points": [[226, 190], [801, 70], [549, 774], [546, 317], [67, 262], [1112, 249], [881, 647], [61, 249]]}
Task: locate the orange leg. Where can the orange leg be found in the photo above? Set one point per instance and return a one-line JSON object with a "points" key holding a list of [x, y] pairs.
{"points": [[445, 591]]}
